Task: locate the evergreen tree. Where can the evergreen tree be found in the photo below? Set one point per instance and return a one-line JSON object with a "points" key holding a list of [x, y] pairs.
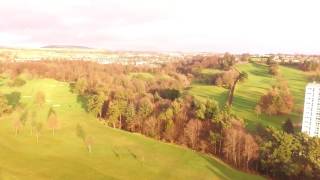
{"points": [[288, 126]]}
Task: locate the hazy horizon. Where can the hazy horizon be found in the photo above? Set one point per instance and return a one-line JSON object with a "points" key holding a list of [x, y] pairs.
{"points": [[197, 26]]}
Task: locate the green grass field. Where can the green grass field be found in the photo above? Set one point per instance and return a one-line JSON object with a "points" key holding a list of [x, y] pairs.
{"points": [[248, 93], [115, 154]]}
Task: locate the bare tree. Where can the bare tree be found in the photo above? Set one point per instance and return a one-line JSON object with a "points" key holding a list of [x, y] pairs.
{"points": [[53, 122], [17, 125], [40, 98], [38, 129]]}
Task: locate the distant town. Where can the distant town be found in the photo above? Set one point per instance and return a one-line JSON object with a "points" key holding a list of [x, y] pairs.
{"points": [[132, 57]]}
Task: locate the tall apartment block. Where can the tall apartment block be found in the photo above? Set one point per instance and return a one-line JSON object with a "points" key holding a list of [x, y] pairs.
{"points": [[311, 112]]}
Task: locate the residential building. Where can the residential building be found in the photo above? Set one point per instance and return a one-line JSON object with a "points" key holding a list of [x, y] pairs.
{"points": [[311, 113]]}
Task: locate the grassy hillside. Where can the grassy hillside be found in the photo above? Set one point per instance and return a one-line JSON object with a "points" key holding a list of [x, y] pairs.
{"points": [[115, 155], [248, 93]]}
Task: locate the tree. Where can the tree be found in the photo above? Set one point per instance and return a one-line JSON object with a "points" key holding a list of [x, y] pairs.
{"points": [[277, 100], [245, 57], [288, 126], [270, 60], [116, 111], [313, 156], [4, 105], [130, 113], [212, 109], [226, 78], [274, 69], [230, 146], [239, 147], [81, 86], [113, 113], [214, 139], [251, 149], [33, 121], [117, 108], [38, 129], [17, 82], [145, 108], [52, 120], [95, 103], [80, 132], [24, 117], [241, 77], [222, 122], [193, 132], [40, 98], [200, 109], [227, 61], [17, 125], [278, 153], [166, 121], [122, 105], [88, 140], [308, 65], [14, 99]]}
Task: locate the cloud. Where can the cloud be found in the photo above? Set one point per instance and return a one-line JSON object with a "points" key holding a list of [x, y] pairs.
{"points": [[203, 25]]}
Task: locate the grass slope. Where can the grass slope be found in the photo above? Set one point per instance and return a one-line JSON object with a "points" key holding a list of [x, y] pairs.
{"points": [[248, 93], [116, 154]]}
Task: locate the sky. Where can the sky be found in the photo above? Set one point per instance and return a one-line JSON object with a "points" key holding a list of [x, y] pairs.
{"points": [[237, 26]]}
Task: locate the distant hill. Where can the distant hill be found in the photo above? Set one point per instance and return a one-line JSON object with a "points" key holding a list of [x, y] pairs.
{"points": [[66, 47], [5, 47]]}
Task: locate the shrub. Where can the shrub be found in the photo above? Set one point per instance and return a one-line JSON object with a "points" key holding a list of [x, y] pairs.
{"points": [[277, 100], [17, 82]]}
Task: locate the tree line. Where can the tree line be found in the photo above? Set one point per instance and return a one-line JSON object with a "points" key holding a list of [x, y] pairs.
{"points": [[160, 108]]}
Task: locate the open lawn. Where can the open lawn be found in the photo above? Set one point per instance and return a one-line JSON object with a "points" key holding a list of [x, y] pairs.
{"points": [[115, 154], [248, 93]]}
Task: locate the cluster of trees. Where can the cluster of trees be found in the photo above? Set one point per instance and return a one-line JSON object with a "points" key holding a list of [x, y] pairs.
{"points": [[158, 108], [278, 100], [314, 76], [155, 107], [190, 67], [227, 61], [309, 66], [31, 119], [288, 155]]}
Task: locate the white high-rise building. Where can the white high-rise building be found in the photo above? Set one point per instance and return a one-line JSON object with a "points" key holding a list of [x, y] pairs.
{"points": [[311, 113]]}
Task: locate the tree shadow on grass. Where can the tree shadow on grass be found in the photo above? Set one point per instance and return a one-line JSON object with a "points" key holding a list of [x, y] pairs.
{"points": [[83, 101], [116, 154], [132, 154], [224, 171], [218, 168], [13, 98], [261, 70]]}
